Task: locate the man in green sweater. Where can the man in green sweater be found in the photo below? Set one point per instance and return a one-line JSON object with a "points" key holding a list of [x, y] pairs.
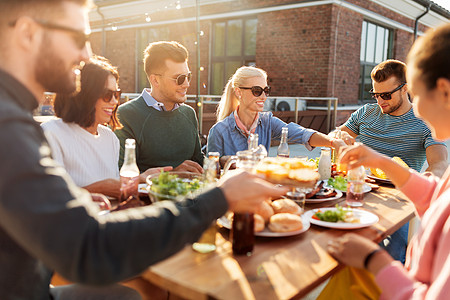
{"points": [[165, 129]]}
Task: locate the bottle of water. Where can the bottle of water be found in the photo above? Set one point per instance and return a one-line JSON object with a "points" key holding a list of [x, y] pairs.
{"points": [[283, 148], [129, 173], [325, 164]]}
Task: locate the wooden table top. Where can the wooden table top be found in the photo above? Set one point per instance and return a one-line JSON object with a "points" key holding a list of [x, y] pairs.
{"points": [[279, 268]]}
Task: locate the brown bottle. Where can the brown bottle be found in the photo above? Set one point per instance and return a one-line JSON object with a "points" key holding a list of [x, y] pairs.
{"points": [[242, 234]]}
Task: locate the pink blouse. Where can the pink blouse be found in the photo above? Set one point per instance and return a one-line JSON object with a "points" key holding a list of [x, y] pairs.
{"points": [[426, 274]]}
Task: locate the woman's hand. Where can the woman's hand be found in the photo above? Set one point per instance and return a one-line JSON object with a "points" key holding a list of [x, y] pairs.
{"points": [[360, 155], [150, 171], [353, 249], [109, 187], [357, 155]]}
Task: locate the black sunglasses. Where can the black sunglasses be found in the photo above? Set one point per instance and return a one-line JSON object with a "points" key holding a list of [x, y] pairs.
{"points": [[79, 36], [257, 90], [385, 96], [180, 78], [107, 96]]}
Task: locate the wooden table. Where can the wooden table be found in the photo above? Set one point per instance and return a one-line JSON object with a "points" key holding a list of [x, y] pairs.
{"points": [[279, 268]]}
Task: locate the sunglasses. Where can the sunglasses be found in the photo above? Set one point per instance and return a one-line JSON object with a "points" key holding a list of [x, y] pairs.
{"points": [[79, 36], [257, 90], [385, 96], [180, 78], [110, 93]]}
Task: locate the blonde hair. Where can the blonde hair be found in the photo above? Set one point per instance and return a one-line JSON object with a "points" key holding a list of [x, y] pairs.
{"points": [[228, 101]]}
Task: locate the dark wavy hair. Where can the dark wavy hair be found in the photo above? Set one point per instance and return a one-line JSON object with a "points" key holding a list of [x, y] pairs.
{"points": [[430, 55], [79, 108]]}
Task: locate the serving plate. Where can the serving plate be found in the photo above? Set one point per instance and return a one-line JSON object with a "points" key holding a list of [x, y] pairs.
{"points": [[366, 219], [225, 222], [378, 179]]}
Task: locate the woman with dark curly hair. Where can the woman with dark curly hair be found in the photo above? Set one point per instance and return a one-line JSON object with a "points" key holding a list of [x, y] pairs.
{"points": [[81, 140]]}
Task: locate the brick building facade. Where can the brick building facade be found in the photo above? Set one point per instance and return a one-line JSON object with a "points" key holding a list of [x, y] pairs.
{"points": [[308, 48]]}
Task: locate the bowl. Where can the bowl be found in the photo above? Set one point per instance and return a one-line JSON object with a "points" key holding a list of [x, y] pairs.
{"points": [[175, 186]]}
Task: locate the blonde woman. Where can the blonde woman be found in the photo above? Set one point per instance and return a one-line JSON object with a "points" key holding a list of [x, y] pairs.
{"points": [[240, 113]]}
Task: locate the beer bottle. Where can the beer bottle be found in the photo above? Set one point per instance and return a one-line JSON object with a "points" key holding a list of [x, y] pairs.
{"points": [[283, 148], [129, 173]]}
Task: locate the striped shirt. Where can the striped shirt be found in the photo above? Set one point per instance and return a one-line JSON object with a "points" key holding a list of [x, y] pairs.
{"points": [[405, 136]]}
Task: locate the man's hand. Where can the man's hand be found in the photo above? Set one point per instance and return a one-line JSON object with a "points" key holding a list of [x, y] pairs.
{"points": [[245, 192], [189, 166], [150, 171]]}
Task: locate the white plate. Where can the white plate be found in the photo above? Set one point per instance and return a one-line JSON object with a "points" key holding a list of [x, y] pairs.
{"points": [[319, 200], [225, 222], [142, 188], [379, 179], [366, 219], [366, 188]]}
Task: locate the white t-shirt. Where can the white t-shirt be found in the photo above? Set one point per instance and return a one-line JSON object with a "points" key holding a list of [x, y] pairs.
{"points": [[87, 158]]}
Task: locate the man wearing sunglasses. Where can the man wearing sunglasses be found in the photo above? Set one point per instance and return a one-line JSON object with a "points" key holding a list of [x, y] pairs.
{"points": [[390, 127], [165, 129]]}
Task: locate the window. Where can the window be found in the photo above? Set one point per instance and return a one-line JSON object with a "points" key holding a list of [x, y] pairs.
{"points": [[376, 46], [146, 36], [233, 45]]}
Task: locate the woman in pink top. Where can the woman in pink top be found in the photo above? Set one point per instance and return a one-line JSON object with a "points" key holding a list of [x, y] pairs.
{"points": [[426, 274]]}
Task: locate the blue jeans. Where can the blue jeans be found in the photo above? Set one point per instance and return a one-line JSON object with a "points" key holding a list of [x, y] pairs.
{"points": [[396, 243]]}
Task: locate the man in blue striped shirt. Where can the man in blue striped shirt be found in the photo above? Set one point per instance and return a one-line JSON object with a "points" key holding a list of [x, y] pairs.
{"points": [[390, 127]]}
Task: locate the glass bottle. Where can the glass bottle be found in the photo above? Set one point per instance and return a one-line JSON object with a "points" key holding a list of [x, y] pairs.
{"points": [[242, 234], [259, 151], [129, 173], [242, 228], [355, 186], [252, 141], [334, 154], [207, 241], [213, 165], [325, 164], [283, 148]]}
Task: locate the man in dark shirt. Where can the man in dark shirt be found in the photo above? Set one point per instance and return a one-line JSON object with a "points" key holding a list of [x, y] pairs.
{"points": [[46, 222]]}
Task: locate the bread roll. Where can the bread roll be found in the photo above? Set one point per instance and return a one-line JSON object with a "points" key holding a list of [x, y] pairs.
{"points": [[286, 206], [259, 223], [285, 222], [265, 210]]}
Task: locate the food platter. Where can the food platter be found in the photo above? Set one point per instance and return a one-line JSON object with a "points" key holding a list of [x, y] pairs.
{"points": [[226, 223], [338, 195], [378, 179], [366, 219]]}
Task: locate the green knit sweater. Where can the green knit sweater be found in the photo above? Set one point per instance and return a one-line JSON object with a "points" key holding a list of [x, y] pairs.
{"points": [[163, 138]]}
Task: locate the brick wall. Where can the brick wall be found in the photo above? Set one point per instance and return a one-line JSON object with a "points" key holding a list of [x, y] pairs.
{"points": [[311, 51]]}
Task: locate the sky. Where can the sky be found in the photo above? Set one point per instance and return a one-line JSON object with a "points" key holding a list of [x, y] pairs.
{"points": [[444, 3]]}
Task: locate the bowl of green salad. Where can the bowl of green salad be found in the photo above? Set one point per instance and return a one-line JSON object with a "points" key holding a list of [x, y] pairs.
{"points": [[175, 185]]}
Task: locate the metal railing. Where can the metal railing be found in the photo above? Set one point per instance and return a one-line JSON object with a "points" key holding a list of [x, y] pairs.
{"points": [[214, 99]]}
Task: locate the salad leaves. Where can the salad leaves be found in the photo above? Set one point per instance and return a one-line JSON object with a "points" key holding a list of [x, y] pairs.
{"points": [[338, 182], [331, 215], [338, 215], [172, 185]]}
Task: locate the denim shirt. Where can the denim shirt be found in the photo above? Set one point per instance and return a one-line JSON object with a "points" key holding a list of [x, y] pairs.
{"points": [[226, 138]]}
